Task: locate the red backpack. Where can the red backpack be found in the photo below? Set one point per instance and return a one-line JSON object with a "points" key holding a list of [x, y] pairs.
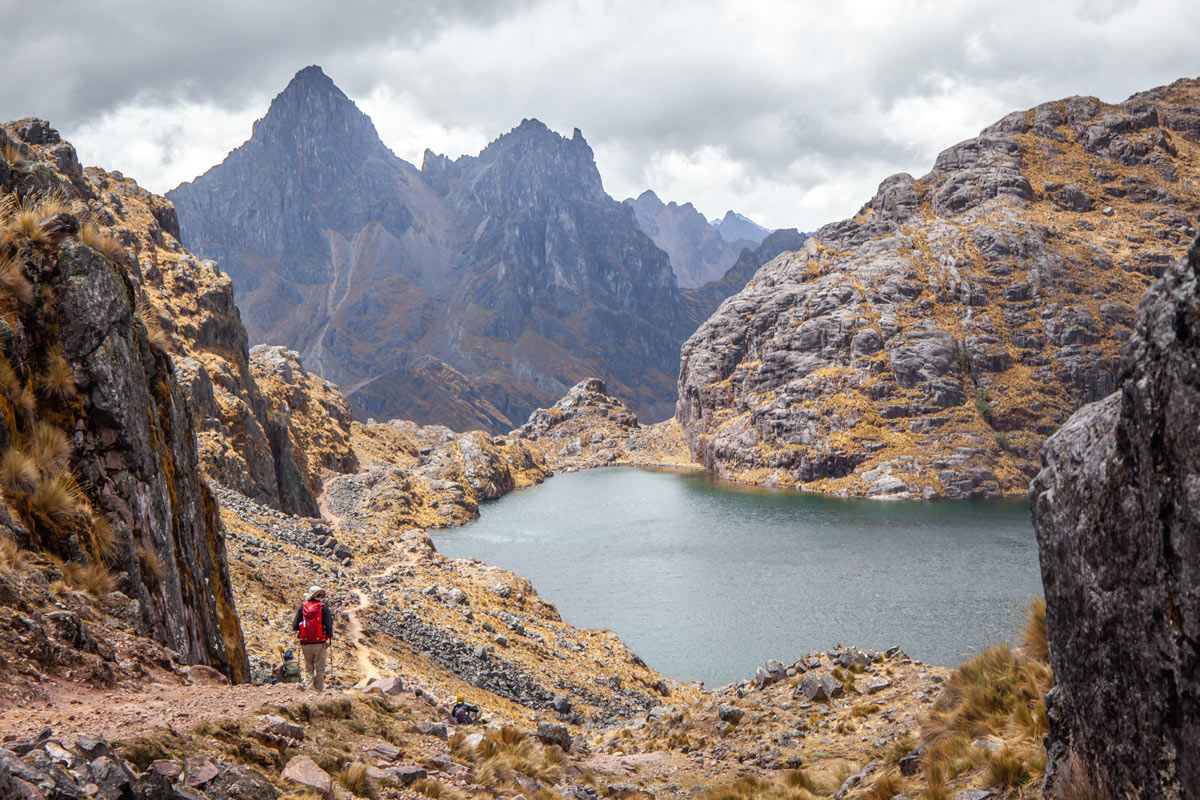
{"points": [[311, 629]]}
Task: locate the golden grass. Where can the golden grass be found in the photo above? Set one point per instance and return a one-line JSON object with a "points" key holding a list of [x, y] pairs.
{"points": [[155, 333], [1035, 641], [505, 752], [12, 557], [11, 152], [792, 785], [13, 282], [58, 380], [152, 567], [49, 447], [436, 789], [91, 235], [18, 473], [354, 778], [101, 538], [10, 382], [56, 499]]}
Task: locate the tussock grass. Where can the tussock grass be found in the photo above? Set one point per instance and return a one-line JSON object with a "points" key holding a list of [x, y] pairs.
{"points": [[505, 752], [49, 447], [792, 785], [1036, 641], [101, 538], [354, 778], [12, 557], [19, 473], [91, 235], [151, 565], [155, 333], [13, 282], [56, 500], [12, 153], [58, 380], [436, 789]]}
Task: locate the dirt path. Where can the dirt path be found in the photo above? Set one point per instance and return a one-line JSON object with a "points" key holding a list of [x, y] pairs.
{"points": [[73, 710], [323, 507], [354, 634]]}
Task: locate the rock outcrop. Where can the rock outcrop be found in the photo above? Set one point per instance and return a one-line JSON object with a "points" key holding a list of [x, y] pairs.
{"points": [[590, 428], [512, 268], [100, 445], [926, 347], [698, 250], [1117, 512]]}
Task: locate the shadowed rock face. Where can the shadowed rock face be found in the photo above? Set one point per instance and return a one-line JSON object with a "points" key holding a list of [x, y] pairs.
{"points": [[133, 441], [513, 268], [1117, 512], [927, 346]]}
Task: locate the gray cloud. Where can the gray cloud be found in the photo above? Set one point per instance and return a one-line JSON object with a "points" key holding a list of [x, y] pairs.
{"points": [[790, 112]]}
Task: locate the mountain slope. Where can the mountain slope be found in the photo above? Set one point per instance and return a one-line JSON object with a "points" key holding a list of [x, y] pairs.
{"points": [[699, 251], [513, 268], [734, 227], [927, 346]]}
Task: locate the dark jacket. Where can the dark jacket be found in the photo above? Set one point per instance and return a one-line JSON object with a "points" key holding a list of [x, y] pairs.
{"points": [[326, 619]]}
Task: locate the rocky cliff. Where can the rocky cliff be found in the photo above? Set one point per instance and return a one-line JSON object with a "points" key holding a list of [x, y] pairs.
{"points": [[468, 292], [699, 251], [100, 463], [1117, 512], [925, 347]]}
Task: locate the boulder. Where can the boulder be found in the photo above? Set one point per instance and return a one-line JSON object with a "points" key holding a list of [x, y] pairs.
{"points": [[303, 771], [875, 685], [730, 713], [554, 733], [390, 686], [1116, 508], [406, 774], [282, 727], [437, 729], [383, 751], [198, 771], [820, 686]]}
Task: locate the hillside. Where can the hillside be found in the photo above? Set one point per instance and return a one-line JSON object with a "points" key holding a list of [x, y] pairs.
{"points": [[927, 346], [466, 293]]}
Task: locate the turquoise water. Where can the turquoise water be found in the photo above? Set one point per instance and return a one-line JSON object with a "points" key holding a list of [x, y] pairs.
{"points": [[706, 580]]}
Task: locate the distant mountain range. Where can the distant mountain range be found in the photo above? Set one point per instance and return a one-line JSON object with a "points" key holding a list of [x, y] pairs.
{"points": [[467, 292], [700, 251]]}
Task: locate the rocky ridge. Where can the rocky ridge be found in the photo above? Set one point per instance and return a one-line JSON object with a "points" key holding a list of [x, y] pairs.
{"points": [[1116, 513], [926, 347], [590, 428], [513, 269]]}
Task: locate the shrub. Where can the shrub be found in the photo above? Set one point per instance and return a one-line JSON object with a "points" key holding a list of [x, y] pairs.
{"points": [[1001, 439], [18, 473], [983, 404]]}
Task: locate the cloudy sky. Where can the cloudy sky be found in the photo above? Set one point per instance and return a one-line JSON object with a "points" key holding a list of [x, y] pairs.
{"points": [[790, 112]]}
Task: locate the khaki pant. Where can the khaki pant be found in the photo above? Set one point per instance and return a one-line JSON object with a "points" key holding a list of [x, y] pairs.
{"points": [[314, 663]]}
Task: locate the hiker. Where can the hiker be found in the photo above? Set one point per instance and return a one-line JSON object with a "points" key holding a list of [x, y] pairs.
{"points": [[314, 623], [288, 671], [463, 712]]}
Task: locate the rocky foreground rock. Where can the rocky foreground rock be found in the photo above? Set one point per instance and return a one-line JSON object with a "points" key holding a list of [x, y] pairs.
{"points": [[927, 346], [1117, 512]]}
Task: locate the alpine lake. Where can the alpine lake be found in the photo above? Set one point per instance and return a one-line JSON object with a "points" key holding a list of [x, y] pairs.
{"points": [[706, 580]]}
